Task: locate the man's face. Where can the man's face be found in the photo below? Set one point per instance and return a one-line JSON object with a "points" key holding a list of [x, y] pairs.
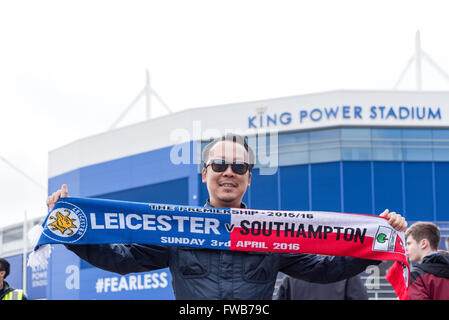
{"points": [[226, 189], [413, 249]]}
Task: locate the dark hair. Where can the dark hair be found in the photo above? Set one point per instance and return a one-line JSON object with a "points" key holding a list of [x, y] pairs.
{"points": [[230, 137], [4, 266], [425, 230]]}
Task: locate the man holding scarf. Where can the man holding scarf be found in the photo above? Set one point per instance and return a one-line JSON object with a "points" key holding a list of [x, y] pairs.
{"points": [[221, 274]]}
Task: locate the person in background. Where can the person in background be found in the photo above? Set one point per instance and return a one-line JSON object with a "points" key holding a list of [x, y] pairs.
{"points": [[6, 291], [429, 277], [296, 289]]}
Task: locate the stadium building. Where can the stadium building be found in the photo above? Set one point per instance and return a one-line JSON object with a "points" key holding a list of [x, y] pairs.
{"points": [[344, 151]]}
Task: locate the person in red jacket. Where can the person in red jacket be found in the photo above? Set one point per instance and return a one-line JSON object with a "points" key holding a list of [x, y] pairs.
{"points": [[429, 279]]}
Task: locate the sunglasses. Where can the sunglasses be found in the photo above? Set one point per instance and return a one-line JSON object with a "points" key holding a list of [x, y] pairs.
{"points": [[221, 166]]}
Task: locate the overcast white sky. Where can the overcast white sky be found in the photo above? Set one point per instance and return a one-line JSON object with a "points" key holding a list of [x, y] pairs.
{"points": [[69, 68]]}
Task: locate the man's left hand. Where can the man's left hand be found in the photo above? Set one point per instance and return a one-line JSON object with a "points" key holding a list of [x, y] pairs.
{"points": [[395, 220]]}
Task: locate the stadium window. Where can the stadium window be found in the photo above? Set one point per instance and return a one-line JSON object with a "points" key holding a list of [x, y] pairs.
{"points": [[440, 144], [298, 141], [287, 158], [386, 144], [355, 134], [325, 155], [356, 154], [325, 145], [325, 135], [13, 234], [293, 148], [417, 144], [356, 144]]}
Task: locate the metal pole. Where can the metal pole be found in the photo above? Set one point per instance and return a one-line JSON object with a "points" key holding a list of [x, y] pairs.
{"points": [[25, 252], [435, 65], [409, 63], [418, 61], [120, 118], [148, 95], [22, 173], [161, 101], [147, 92]]}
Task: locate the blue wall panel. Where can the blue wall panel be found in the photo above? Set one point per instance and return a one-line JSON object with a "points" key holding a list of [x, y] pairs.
{"points": [[264, 191], [294, 188], [326, 187], [37, 282], [130, 172], [70, 278], [126, 173], [442, 190], [357, 187], [103, 285], [203, 193], [418, 191], [72, 179], [388, 187], [64, 279], [172, 192]]}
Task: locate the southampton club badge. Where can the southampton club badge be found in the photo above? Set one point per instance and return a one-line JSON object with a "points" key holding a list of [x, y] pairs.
{"points": [[67, 223], [385, 239]]}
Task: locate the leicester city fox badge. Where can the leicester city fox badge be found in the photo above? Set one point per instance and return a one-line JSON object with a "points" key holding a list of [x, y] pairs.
{"points": [[67, 223]]}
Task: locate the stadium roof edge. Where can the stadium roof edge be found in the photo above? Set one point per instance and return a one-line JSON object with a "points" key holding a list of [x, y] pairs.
{"points": [[114, 144], [337, 91]]}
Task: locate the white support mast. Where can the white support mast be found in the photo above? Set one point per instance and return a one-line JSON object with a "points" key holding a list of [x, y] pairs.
{"points": [[148, 96], [418, 58], [22, 173], [418, 72], [146, 92]]}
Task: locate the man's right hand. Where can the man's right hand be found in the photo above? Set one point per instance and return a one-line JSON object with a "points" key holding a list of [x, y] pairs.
{"points": [[61, 193]]}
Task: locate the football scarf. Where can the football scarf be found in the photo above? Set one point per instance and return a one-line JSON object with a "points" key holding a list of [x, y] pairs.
{"points": [[97, 221]]}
